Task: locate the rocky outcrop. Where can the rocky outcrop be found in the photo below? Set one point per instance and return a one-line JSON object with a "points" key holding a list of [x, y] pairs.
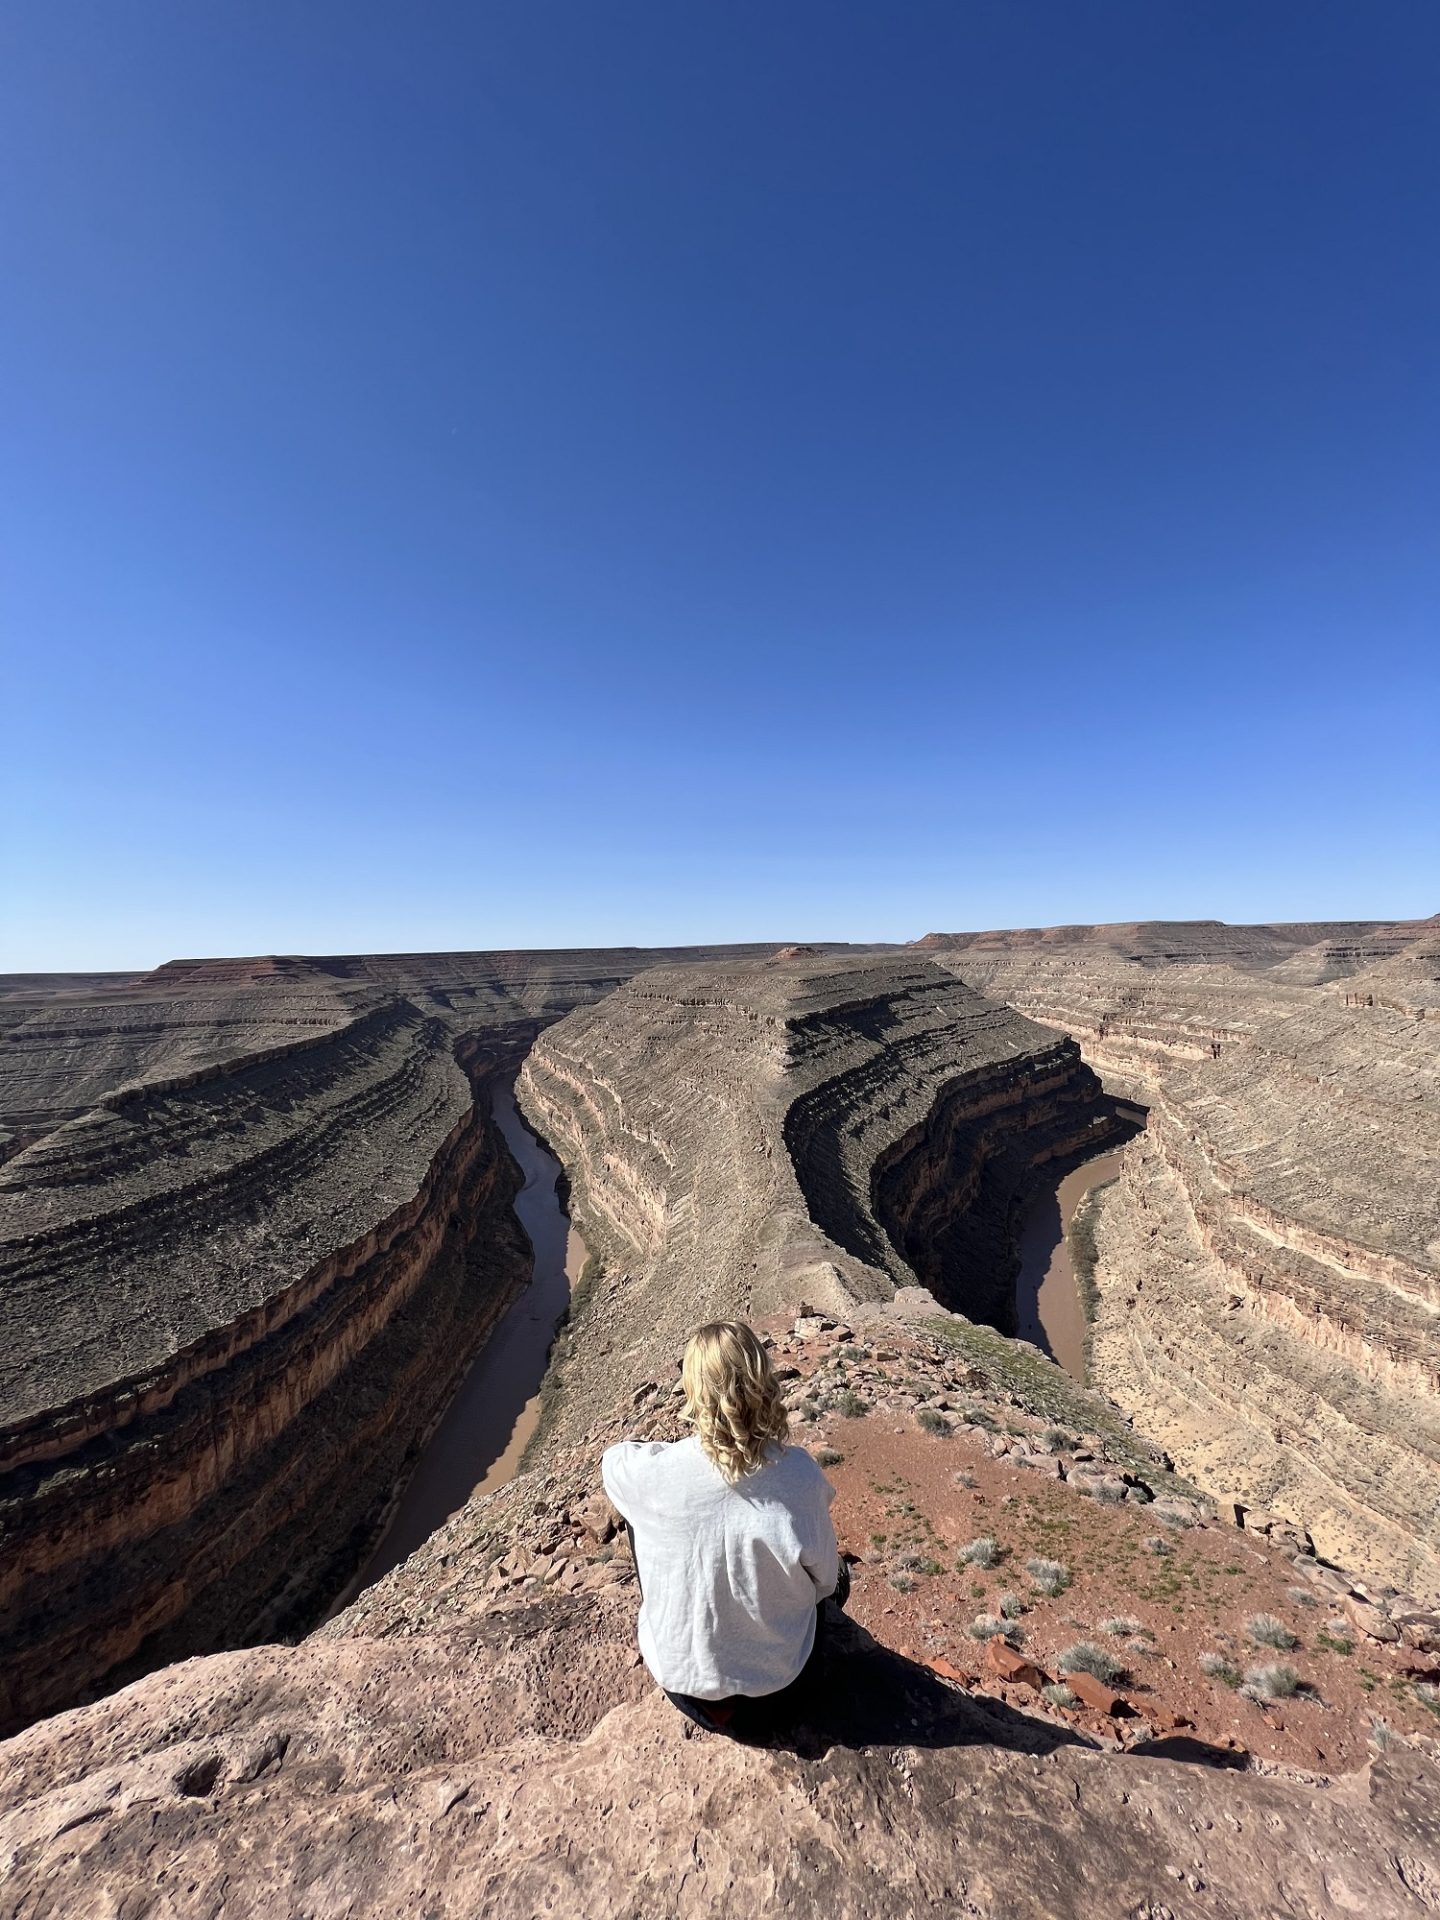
{"points": [[1269, 1263], [66, 1041], [1161, 943], [1404, 950], [477, 1736], [827, 1127]]}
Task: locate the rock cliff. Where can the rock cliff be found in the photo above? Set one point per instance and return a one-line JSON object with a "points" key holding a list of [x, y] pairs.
{"points": [[1268, 1264], [827, 1127]]}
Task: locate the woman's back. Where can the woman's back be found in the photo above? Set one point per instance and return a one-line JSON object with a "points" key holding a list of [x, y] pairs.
{"points": [[730, 1570]]}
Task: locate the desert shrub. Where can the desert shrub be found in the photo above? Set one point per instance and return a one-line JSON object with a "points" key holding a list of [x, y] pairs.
{"points": [[1058, 1694], [828, 1457], [1335, 1637], [985, 1626], [1049, 1576], [932, 1422], [1120, 1625], [1157, 1544], [1302, 1597], [918, 1563], [1086, 1657], [963, 1478], [903, 1582], [982, 1552], [850, 1406], [1056, 1440], [1011, 1605], [1266, 1631], [1277, 1681], [1218, 1667]]}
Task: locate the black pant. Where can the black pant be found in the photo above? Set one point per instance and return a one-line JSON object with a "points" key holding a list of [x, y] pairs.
{"points": [[755, 1713]]}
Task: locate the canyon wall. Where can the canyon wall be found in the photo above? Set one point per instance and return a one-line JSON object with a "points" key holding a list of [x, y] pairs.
{"points": [[826, 1128], [232, 1306], [238, 1285], [1269, 1262]]}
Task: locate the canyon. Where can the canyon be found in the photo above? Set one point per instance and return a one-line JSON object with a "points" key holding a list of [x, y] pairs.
{"points": [[825, 1128], [262, 1222], [258, 1220], [1268, 1262]]}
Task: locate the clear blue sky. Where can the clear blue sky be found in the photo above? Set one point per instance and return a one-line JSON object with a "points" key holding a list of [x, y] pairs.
{"points": [[539, 473]]}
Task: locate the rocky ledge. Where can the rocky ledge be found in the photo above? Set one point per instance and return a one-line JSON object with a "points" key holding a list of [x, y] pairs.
{"points": [[476, 1735]]}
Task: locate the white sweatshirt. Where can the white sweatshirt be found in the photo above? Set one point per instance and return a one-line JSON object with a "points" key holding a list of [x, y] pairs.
{"points": [[730, 1573]]}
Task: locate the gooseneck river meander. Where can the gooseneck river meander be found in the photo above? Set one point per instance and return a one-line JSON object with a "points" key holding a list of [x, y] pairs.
{"points": [[478, 1441], [1048, 1309]]}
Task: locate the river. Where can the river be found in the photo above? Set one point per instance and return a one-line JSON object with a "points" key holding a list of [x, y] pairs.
{"points": [[480, 1437], [1047, 1300]]}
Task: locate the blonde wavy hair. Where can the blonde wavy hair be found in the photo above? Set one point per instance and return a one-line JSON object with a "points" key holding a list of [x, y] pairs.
{"points": [[732, 1397]]}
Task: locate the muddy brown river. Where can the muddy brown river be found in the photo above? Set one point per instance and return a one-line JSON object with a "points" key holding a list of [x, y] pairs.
{"points": [[1047, 1301], [480, 1437]]}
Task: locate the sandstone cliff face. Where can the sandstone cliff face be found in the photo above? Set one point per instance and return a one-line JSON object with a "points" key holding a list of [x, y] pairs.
{"points": [[826, 1127], [291, 1276], [1269, 1263]]}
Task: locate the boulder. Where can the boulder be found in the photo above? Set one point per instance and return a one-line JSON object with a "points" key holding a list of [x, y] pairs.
{"points": [[1094, 1693], [1368, 1619], [1419, 1630], [1043, 1463], [1006, 1664], [939, 1664], [596, 1517]]}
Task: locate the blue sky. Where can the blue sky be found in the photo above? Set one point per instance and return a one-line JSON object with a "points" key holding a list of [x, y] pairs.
{"points": [[543, 474]]}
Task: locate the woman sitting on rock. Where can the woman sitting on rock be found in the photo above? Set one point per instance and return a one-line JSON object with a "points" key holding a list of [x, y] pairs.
{"points": [[733, 1542]]}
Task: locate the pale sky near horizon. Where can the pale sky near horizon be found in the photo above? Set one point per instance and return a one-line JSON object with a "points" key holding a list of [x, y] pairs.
{"points": [[549, 474]]}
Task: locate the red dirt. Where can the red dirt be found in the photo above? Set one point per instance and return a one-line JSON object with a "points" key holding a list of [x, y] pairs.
{"points": [[898, 1497]]}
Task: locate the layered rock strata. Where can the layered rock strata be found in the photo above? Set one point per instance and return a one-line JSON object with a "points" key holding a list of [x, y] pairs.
{"points": [[1267, 1273], [239, 1285], [828, 1127], [232, 1307], [1269, 1263], [67, 1041]]}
